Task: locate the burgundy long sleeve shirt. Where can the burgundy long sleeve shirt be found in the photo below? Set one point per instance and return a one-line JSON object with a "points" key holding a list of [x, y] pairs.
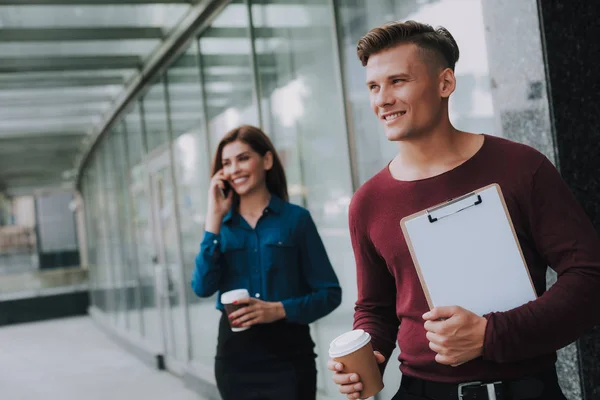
{"points": [[553, 230]]}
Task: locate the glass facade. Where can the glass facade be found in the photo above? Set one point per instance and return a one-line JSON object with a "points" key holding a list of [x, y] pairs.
{"points": [[290, 67]]}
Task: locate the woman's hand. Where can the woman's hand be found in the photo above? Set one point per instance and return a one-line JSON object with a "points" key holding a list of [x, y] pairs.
{"points": [[256, 312], [218, 205]]}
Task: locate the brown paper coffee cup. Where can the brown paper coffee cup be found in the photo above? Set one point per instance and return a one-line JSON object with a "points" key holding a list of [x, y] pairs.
{"points": [[354, 350], [228, 298]]}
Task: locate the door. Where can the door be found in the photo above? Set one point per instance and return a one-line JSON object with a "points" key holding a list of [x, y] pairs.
{"points": [[170, 285]]}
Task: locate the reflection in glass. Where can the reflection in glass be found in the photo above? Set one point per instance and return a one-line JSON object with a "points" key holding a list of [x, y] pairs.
{"points": [[192, 169], [105, 269], [127, 244], [227, 71], [90, 195], [303, 112], [169, 273], [142, 213], [136, 147], [155, 116], [113, 237]]}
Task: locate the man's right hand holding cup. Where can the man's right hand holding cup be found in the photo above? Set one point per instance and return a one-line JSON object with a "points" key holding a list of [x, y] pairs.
{"points": [[349, 383]]}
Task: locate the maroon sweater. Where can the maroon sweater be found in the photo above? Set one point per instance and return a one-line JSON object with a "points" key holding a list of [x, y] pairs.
{"points": [[552, 229]]}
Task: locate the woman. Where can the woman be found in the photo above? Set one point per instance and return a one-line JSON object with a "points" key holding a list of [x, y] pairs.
{"points": [[256, 240]]}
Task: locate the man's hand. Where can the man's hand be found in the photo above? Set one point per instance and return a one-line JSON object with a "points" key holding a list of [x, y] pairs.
{"points": [[458, 337], [256, 312], [349, 383]]}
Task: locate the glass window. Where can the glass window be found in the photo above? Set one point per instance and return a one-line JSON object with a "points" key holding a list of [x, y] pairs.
{"points": [[303, 112], [114, 236], [129, 282], [186, 104], [227, 71], [136, 145], [105, 276], [192, 169], [100, 293], [155, 116], [145, 251], [89, 195]]}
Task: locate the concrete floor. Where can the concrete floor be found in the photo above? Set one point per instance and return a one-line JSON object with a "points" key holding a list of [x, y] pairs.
{"points": [[70, 359]]}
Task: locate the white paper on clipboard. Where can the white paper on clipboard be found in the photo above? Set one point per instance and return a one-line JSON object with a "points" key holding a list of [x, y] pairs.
{"points": [[466, 253]]}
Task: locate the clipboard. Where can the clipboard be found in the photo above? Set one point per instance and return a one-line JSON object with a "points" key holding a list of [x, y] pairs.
{"points": [[466, 253]]}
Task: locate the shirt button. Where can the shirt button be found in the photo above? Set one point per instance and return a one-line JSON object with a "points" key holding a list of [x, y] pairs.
{"points": [[257, 295], [215, 241], [280, 243], [255, 250]]}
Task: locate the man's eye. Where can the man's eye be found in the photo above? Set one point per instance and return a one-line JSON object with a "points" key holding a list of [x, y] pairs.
{"points": [[372, 87], [398, 80], [244, 158]]}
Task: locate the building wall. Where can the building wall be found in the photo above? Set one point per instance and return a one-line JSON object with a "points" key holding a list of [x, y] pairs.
{"points": [[296, 74], [24, 211], [571, 69]]}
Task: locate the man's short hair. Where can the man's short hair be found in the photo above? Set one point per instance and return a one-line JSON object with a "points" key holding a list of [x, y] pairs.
{"points": [[436, 45]]}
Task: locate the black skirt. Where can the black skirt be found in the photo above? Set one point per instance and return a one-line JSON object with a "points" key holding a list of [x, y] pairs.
{"points": [[266, 362]]}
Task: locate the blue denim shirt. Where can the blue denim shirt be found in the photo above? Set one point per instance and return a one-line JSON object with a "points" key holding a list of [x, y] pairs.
{"points": [[281, 259]]}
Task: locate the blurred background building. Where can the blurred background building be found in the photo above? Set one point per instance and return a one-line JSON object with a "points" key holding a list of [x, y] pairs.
{"points": [[110, 112]]}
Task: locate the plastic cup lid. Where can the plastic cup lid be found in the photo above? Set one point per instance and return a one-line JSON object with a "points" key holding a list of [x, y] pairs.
{"points": [[348, 343], [233, 295]]}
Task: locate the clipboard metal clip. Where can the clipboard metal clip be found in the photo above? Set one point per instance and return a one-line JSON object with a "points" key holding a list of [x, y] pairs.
{"points": [[450, 202]]}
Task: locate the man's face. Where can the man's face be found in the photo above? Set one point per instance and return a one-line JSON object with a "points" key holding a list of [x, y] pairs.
{"points": [[404, 91]]}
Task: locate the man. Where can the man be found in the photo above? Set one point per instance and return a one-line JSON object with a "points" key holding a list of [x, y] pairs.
{"points": [[449, 352]]}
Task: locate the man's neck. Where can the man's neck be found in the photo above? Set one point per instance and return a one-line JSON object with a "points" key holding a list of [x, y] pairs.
{"points": [[433, 153]]}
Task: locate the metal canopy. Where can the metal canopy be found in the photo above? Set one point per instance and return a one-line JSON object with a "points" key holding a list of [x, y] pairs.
{"points": [[63, 63], [69, 68], [70, 34], [88, 2], [66, 63]]}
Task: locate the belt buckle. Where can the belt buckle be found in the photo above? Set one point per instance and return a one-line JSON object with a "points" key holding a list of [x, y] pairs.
{"points": [[491, 389]]}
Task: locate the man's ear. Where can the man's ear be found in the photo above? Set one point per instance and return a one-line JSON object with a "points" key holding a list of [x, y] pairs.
{"points": [[268, 161], [447, 83]]}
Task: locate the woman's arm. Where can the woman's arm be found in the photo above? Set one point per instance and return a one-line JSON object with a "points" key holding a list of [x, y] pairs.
{"points": [[326, 294], [207, 274]]}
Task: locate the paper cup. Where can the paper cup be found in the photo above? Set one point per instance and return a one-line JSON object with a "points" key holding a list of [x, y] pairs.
{"points": [[227, 300], [354, 350]]}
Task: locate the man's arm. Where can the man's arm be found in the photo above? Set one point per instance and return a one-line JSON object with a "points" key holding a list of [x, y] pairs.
{"points": [[568, 242], [375, 310]]}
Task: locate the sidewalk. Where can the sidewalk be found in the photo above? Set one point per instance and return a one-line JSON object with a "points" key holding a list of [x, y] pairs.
{"points": [[70, 359]]}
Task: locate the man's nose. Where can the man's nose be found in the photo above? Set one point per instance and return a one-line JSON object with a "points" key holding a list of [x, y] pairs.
{"points": [[384, 98]]}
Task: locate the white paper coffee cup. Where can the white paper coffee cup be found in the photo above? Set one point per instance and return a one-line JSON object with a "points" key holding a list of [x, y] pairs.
{"points": [[354, 350], [228, 298]]}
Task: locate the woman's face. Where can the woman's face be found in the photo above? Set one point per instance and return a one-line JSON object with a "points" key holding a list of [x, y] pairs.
{"points": [[244, 168]]}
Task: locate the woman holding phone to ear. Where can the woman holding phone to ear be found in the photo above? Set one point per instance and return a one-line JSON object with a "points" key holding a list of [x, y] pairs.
{"points": [[256, 240]]}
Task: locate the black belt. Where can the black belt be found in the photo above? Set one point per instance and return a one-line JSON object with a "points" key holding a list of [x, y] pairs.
{"points": [[526, 388]]}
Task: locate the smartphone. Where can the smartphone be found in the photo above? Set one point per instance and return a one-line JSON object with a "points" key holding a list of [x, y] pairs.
{"points": [[225, 191]]}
